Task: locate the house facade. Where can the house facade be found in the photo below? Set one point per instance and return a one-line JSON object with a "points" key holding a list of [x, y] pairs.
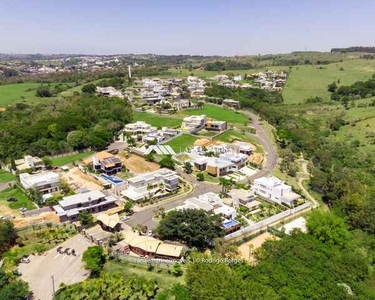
{"points": [[94, 201], [45, 182], [151, 184]]}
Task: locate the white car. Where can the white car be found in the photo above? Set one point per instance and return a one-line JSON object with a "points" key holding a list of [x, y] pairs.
{"points": [[25, 260], [149, 233]]}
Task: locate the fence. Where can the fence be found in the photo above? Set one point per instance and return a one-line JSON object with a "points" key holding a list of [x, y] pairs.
{"points": [[146, 261], [266, 222]]}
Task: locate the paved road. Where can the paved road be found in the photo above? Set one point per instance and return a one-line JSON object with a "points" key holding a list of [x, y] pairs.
{"points": [[145, 216], [64, 268], [268, 146]]}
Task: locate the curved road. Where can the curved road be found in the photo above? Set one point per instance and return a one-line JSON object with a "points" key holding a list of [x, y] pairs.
{"points": [[145, 215]]}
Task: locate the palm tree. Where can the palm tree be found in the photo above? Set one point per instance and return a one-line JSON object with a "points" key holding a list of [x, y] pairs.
{"points": [[226, 184]]}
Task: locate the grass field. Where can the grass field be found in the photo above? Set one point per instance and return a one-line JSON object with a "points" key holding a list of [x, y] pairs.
{"points": [[23, 201], [310, 81], [157, 120], [164, 280], [6, 176], [60, 161], [180, 143], [217, 113], [231, 135], [18, 92]]}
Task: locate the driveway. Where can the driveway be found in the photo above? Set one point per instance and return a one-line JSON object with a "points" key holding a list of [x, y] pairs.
{"points": [[49, 270]]}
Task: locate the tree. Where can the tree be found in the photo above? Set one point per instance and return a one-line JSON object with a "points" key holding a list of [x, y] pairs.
{"points": [[200, 177], [328, 228], [47, 162], [194, 227], [8, 235], [34, 195], [15, 290], [94, 259], [128, 206], [167, 162], [176, 269], [226, 184], [150, 157], [188, 167], [43, 92], [85, 217], [332, 87], [77, 139], [89, 88]]}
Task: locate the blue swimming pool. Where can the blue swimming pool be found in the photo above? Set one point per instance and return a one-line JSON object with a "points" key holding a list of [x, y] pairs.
{"points": [[111, 179], [230, 223]]}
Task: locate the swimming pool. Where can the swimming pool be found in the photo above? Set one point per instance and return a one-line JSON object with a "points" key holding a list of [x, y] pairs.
{"points": [[111, 179], [230, 223]]}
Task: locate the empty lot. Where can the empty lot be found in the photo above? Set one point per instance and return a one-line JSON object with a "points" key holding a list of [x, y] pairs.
{"points": [[52, 266]]}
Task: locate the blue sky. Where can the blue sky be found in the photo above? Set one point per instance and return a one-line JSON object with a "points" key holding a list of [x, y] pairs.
{"points": [[235, 27]]}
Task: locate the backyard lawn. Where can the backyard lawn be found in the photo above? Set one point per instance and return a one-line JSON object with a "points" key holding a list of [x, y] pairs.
{"points": [[157, 120], [60, 161], [218, 113], [182, 142], [23, 200], [6, 176]]}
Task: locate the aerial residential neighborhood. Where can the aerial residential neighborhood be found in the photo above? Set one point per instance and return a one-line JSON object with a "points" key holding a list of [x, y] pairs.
{"points": [[187, 150]]}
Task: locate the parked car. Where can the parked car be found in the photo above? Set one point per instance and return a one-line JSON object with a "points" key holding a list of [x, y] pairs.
{"points": [[17, 273], [12, 199], [149, 233], [25, 260], [59, 250], [67, 251]]}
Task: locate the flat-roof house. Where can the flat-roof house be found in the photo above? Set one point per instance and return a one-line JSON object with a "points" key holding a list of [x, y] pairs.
{"points": [[192, 122], [276, 190], [238, 159], [29, 162], [215, 125], [214, 166], [231, 103], [143, 185], [108, 91], [139, 128], [105, 162], [210, 202], [45, 182], [94, 201]]}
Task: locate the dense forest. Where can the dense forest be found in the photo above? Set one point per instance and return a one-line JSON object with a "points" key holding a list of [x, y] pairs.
{"points": [[358, 90], [354, 49], [60, 126]]}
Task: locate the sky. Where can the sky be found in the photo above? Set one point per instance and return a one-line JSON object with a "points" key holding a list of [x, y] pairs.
{"points": [[205, 27]]}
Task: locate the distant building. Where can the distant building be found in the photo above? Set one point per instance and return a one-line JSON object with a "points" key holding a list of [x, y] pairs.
{"points": [[95, 201], [45, 182], [108, 92], [192, 122], [276, 190], [215, 125], [29, 162], [151, 184], [231, 103], [105, 162], [109, 222], [214, 166]]}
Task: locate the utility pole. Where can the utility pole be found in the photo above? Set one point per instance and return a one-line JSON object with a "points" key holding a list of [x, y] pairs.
{"points": [[53, 284]]}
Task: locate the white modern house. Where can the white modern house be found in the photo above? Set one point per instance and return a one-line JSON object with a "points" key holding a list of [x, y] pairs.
{"points": [[94, 201], [139, 128], [210, 202], [153, 184], [192, 122], [45, 182], [238, 159], [109, 91], [275, 190], [29, 162]]}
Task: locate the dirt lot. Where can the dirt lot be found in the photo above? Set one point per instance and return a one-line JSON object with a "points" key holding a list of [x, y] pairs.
{"points": [[43, 217], [77, 179], [5, 210], [52, 267], [257, 243], [256, 158], [138, 164]]}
